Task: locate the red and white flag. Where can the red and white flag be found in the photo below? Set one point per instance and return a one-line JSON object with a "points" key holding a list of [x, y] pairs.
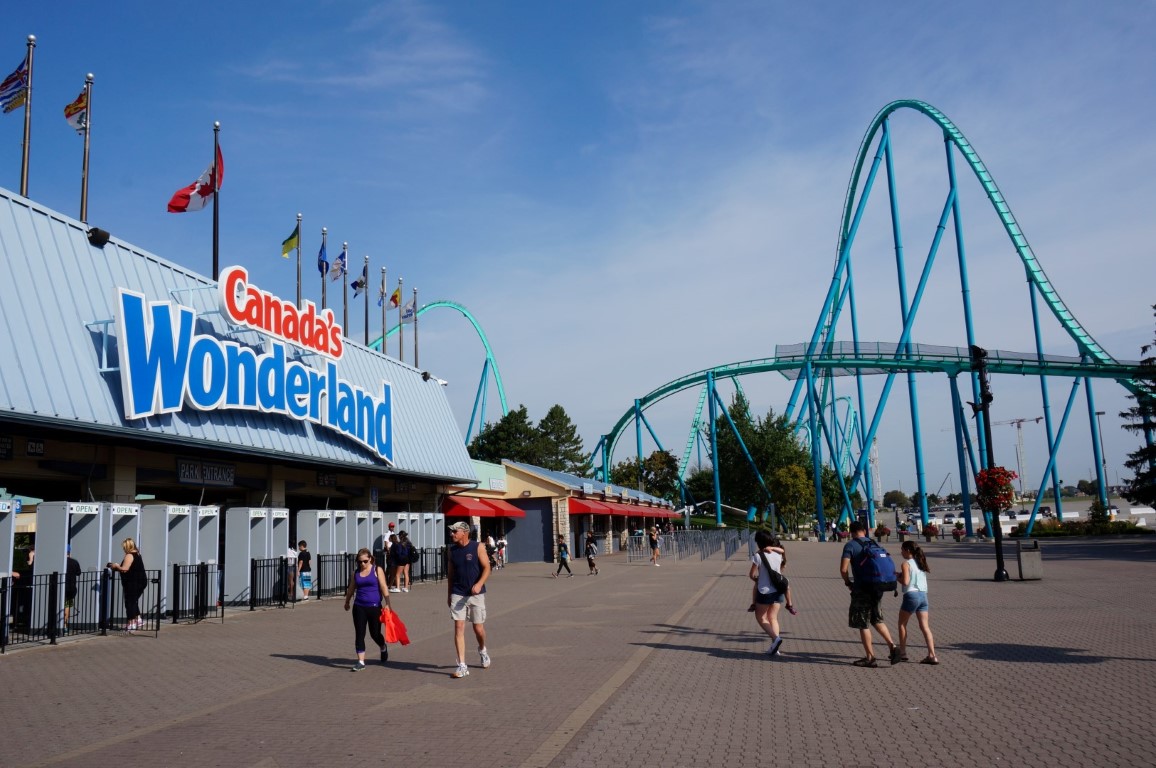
{"points": [[200, 193]]}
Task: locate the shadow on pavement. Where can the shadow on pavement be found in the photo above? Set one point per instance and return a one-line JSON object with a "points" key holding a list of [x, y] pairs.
{"points": [[1038, 654]]}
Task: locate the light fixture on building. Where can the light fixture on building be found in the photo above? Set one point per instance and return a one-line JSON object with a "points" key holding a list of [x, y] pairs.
{"points": [[525, 493], [98, 237]]}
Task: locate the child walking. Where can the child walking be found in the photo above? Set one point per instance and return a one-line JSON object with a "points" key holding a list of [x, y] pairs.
{"points": [[913, 577]]}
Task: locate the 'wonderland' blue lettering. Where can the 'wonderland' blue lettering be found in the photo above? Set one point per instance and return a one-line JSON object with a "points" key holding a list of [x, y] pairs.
{"points": [[164, 366]]}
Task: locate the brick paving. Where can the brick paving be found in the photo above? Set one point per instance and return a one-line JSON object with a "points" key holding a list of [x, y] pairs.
{"points": [[639, 666]]}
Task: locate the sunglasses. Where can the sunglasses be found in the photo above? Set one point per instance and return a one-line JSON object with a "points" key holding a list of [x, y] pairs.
{"points": [[363, 561]]}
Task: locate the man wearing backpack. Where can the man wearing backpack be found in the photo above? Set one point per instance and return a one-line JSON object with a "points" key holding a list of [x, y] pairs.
{"points": [[868, 563]]}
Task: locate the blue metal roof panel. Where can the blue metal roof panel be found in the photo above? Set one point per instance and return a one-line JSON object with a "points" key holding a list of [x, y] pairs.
{"points": [[57, 304]]}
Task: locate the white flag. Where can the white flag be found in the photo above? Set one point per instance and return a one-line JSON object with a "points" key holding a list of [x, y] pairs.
{"points": [[409, 312]]}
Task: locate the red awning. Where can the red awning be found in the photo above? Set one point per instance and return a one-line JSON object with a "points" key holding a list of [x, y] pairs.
{"points": [[591, 507], [466, 506], [503, 508]]}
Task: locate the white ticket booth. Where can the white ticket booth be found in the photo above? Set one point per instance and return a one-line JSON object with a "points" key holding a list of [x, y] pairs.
{"points": [[7, 537], [325, 533], [246, 539], [361, 531], [165, 540], [118, 522], [59, 525], [377, 534], [342, 532], [207, 539]]}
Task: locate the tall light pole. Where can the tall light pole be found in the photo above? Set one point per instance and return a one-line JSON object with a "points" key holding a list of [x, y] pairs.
{"points": [[979, 365], [1106, 489]]}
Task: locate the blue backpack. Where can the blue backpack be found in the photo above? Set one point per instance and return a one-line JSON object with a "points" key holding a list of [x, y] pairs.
{"points": [[874, 566]]}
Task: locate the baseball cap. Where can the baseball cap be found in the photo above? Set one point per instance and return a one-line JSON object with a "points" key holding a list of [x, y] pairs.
{"points": [[391, 525], [460, 526]]}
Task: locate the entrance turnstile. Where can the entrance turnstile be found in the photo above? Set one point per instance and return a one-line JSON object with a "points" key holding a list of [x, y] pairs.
{"points": [[59, 525], [166, 532], [207, 537], [246, 538]]}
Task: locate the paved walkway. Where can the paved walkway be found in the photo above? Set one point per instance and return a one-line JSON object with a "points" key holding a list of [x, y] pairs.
{"points": [[640, 666]]}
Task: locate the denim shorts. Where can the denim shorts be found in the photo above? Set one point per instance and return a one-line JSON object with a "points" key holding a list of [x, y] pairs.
{"points": [[769, 598], [914, 602]]}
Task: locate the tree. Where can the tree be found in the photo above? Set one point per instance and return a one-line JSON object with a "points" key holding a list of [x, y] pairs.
{"points": [[659, 475], [1087, 487], [512, 437], [1141, 420], [794, 494], [897, 499], [560, 446], [772, 444]]}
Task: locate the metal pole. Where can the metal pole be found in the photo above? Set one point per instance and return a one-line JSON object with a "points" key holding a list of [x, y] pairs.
{"points": [[365, 294], [415, 363], [400, 322], [384, 306], [27, 116], [1104, 489], [324, 238], [345, 289], [87, 132], [299, 305], [979, 363], [216, 200]]}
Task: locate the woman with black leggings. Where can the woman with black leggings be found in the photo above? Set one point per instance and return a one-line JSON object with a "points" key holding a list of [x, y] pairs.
{"points": [[368, 584]]}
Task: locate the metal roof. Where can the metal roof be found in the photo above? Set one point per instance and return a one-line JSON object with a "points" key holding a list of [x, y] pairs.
{"points": [[575, 483], [57, 304]]}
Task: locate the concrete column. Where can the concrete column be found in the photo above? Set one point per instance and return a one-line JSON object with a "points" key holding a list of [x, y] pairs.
{"points": [[120, 485]]}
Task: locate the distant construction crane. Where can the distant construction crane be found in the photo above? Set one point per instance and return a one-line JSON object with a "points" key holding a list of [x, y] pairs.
{"points": [[1019, 447]]}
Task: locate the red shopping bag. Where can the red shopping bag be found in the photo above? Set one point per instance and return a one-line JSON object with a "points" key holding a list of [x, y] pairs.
{"points": [[393, 627]]}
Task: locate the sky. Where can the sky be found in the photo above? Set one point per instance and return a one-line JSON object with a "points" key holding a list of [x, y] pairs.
{"points": [[625, 193]]}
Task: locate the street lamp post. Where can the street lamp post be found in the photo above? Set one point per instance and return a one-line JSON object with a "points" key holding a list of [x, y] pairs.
{"points": [[979, 365]]}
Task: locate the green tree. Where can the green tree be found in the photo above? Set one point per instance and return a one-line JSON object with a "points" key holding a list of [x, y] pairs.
{"points": [[512, 437], [560, 446], [771, 442], [794, 494], [1087, 487], [659, 475], [1141, 420], [898, 498]]}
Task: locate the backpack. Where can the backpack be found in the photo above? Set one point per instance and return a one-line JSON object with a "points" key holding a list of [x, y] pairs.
{"points": [[874, 566], [414, 555]]}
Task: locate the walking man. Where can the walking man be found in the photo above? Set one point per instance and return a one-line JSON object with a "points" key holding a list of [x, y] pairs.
{"points": [[468, 571], [865, 611]]}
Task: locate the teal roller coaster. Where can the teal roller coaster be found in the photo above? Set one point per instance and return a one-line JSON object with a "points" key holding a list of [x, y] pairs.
{"points": [[840, 429]]}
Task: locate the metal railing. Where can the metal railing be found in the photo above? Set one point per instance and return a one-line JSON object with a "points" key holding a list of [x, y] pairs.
{"points": [[268, 582], [430, 565], [198, 593], [331, 576], [682, 544], [114, 612]]}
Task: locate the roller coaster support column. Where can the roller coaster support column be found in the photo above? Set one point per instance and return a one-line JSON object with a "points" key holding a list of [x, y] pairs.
{"points": [[979, 365], [638, 437], [1097, 445], [816, 457], [956, 407], [714, 447]]}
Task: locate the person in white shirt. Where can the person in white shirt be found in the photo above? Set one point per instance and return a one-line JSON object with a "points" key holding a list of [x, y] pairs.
{"points": [[913, 578]]}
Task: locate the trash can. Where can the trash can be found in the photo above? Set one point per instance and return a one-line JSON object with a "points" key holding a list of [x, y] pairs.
{"points": [[1030, 561]]}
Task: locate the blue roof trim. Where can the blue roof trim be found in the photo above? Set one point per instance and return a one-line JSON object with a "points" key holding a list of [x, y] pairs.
{"points": [[575, 483], [58, 357]]}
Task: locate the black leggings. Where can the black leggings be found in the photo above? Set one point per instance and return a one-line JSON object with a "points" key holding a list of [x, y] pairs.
{"points": [[564, 563], [367, 616]]}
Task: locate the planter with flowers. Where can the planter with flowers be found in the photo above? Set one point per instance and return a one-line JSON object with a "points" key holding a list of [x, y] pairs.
{"points": [[844, 533], [882, 533], [904, 531], [930, 531], [958, 531]]}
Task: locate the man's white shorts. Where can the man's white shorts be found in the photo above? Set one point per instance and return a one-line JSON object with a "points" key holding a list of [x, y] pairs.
{"points": [[471, 608]]}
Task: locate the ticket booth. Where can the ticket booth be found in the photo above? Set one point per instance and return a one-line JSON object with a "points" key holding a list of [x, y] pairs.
{"points": [[377, 535], [325, 533], [412, 526], [7, 537], [342, 532], [278, 542], [118, 522], [59, 525], [361, 531], [428, 531], [246, 538], [165, 539], [207, 539]]}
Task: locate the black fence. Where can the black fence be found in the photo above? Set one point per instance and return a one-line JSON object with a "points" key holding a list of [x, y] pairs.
{"points": [[331, 576], [198, 593], [269, 583], [430, 565], [47, 607]]}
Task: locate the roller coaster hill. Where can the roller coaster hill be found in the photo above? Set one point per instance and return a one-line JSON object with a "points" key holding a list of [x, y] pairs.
{"points": [[829, 407]]}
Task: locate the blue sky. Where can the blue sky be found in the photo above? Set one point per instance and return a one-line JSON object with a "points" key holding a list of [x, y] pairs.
{"points": [[623, 193]]}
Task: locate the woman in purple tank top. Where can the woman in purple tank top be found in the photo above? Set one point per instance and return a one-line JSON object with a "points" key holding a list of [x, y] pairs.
{"points": [[367, 583]]}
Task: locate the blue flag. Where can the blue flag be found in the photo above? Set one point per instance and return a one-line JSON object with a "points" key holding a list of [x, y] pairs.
{"points": [[337, 271], [322, 261]]}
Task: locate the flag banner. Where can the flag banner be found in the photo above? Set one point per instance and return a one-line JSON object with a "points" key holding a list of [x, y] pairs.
{"points": [[76, 113], [381, 295], [337, 271], [322, 261], [200, 193], [14, 89], [359, 284], [409, 312], [290, 243], [395, 298]]}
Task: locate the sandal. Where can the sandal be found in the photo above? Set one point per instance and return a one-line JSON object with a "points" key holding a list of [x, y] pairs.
{"points": [[930, 660], [868, 661], [751, 609], [791, 610]]}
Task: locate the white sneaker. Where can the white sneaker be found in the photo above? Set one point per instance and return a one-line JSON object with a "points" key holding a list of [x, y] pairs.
{"points": [[405, 589], [394, 589], [460, 672], [485, 658], [774, 649], [656, 565]]}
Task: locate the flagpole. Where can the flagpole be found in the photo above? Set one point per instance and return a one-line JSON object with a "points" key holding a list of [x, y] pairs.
{"points": [[365, 290], [384, 306], [27, 116], [299, 305], [87, 132], [324, 237], [345, 290], [400, 323], [415, 363], [216, 201]]}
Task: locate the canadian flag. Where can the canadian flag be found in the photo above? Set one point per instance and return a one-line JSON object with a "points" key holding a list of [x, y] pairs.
{"points": [[200, 193]]}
